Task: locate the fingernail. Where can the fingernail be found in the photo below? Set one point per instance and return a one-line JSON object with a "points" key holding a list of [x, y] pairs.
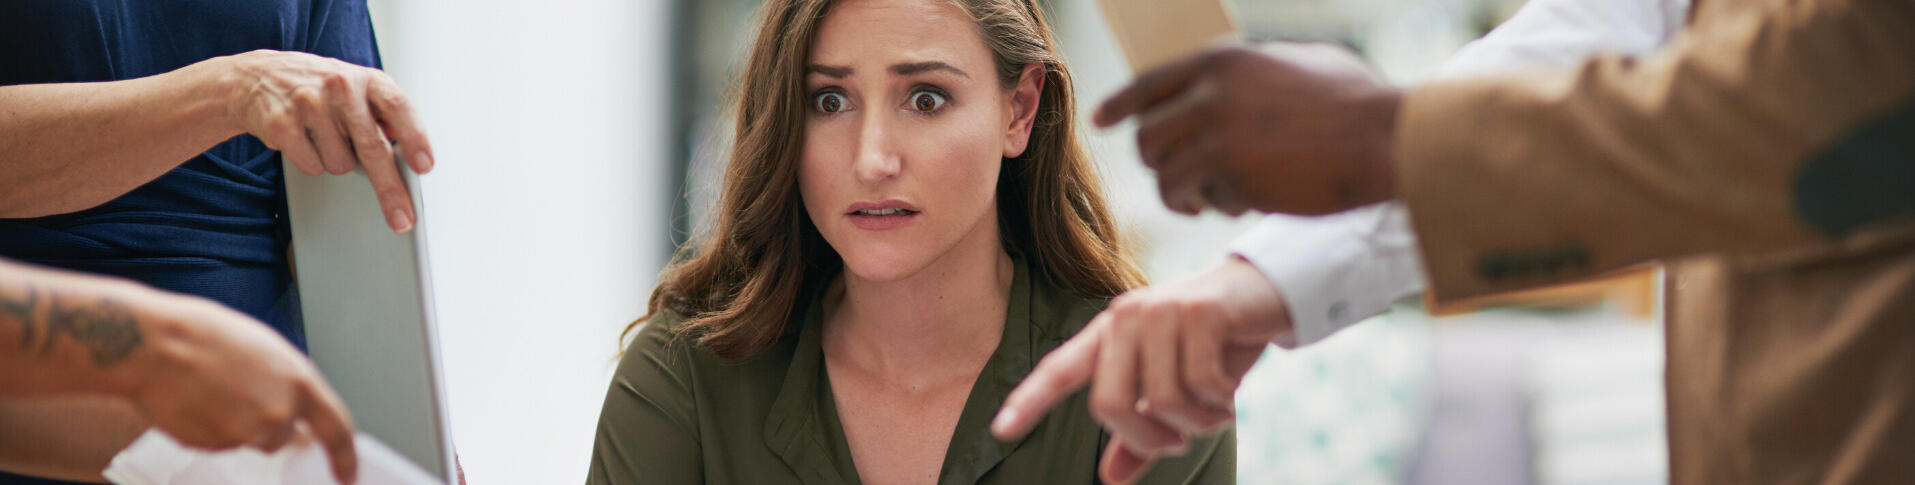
{"points": [[425, 162], [401, 223]]}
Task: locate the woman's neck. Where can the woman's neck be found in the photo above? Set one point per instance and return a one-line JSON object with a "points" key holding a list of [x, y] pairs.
{"points": [[913, 330]]}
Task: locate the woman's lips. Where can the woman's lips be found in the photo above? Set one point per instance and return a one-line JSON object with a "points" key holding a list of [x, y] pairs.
{"points": [[872, 222], [878, 216]]}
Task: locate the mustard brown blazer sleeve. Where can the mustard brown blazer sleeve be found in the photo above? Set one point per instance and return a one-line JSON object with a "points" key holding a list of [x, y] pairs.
{"points": [[1768, 124]]}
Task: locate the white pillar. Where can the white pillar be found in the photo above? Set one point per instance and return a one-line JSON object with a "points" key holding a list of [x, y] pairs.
{"points": [[549, 205]]}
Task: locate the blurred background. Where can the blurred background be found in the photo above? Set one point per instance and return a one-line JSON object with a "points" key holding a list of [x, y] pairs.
{"points": [[578, 144]]}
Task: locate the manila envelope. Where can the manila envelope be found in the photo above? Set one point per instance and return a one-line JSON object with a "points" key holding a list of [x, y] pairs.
{"points": [[1154, 32]]}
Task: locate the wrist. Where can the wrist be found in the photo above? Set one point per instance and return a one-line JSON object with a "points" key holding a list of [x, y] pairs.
{"points": [[210, 89], [1263, 303]]}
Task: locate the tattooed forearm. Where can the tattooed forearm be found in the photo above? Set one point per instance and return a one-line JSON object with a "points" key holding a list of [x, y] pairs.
{"points": [[20, 309], [107, 329]]}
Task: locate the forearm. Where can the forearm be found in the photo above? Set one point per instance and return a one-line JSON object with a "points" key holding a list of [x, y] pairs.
{"points": [[65, 342], [66, 438], [64, 333], [69, 147]]}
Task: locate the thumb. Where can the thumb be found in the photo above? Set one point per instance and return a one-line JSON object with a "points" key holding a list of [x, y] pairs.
{"points": [[1121, 465]]}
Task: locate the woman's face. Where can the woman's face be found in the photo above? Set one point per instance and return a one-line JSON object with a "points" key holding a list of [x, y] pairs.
{"points": [[906, 132]]}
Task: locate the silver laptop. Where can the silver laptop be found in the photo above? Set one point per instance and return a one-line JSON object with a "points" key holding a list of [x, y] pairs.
{"points": [[367, 298]]}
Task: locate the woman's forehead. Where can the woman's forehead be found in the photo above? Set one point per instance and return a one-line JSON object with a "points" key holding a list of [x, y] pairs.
{"points": [[872, 34]]}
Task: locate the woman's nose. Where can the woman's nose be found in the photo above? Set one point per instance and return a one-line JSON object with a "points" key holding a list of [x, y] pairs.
{"points": [[877, 157]]}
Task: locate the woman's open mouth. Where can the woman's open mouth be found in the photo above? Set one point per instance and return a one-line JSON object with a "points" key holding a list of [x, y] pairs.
{"points": [[884, 212], [878, 216]]}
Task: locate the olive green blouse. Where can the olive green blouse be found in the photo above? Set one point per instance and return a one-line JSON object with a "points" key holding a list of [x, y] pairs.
{"points": [[676, 413]]}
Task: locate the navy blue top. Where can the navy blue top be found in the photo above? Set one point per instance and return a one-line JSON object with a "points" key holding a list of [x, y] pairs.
{"points": [[214, 226]]}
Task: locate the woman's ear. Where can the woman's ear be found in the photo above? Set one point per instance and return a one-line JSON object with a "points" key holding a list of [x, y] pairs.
{"points": [[1024, 100]]}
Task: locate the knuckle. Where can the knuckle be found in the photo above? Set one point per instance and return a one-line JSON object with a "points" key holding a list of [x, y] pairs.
{"points": [[276, 416], [1205, 380], [1201, 308], [378, 77], [1186, 308], [284, 126], [372, 143], [1165, 400], [391, 99], [393, 197], [308, 98], [338, 79], [275, 113], [1106, 407]]}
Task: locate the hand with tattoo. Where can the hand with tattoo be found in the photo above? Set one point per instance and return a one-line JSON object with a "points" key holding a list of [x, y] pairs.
{"points": [[209, 376]]}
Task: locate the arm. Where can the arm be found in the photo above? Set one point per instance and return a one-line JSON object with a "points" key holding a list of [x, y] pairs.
{"points": [[66, 437], [1778, 125], [1304, 268], [1336, 270], [74, 435], [67, 333], [53, 137], [69, 147], [209, 376], [648, 429], [1766, 126]]}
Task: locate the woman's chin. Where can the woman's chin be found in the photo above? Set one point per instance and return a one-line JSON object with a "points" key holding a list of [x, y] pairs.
{"points": [[882, 265]]}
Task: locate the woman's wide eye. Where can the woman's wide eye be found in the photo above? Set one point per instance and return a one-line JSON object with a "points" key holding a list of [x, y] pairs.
{"points": [[926, 101], [828, 102]]}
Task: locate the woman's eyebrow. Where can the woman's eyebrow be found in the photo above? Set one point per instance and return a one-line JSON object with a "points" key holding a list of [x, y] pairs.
{"points": [[838, 72], [910, 68], [904, 69]]}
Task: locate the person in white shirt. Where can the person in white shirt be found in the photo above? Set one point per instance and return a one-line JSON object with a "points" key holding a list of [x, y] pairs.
{"points": [[1291, 280]]}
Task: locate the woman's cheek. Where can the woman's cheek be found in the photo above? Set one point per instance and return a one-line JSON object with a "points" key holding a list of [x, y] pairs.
{"points": [[818, 175], [972, 158]]}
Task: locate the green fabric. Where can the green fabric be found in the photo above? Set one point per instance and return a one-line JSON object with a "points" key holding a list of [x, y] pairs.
{"points": [[676, 413]]}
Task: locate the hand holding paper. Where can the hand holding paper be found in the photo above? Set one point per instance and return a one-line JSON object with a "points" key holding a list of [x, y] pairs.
{"points": [[157, 459]]}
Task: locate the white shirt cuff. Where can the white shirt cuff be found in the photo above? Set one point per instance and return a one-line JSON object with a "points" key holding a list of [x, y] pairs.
{"points": [[1335, 270]]}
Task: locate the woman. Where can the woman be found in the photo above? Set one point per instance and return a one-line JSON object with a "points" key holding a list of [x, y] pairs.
{"points": [[909, 222], [143, 140]]}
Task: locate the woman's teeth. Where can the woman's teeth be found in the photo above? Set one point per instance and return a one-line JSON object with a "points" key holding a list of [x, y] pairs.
{"points": [[882, 212]]}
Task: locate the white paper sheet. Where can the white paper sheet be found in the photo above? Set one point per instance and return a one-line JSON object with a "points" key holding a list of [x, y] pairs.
{"points": [[156, 459]]}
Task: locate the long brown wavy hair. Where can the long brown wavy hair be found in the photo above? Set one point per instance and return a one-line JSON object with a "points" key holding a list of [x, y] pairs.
{"points": [[741, 283]]}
